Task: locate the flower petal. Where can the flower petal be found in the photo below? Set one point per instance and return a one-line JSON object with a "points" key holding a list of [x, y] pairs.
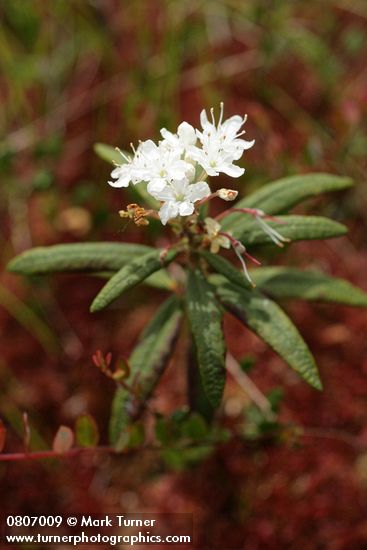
{"points": [[212, 227], [166, 134], [168, 211], [148, 148], [206, 125], [223, 241], [232, 170], [121, 182], [186, 208], [198, 191], [156, 186], [186, 133]]}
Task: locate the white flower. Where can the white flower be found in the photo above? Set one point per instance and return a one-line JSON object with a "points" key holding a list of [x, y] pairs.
{"points": [[124, 173], [214, 161], [155, 164], [221, 145], [227, 132], [160, 165], [179, 197], [171, 166], [183, 140]]}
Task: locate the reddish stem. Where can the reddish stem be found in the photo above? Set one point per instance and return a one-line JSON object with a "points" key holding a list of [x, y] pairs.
{"points": [[38, 455], [235, 243], [206, 199]]}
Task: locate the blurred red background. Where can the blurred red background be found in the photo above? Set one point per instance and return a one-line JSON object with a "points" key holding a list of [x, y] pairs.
{"points": [[76, 73]]}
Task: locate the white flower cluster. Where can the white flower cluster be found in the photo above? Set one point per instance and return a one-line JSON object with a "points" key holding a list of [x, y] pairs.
{"points": [[176, 168]]}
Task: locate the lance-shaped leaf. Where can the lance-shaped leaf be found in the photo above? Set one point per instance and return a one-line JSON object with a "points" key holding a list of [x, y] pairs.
{"points": [[285, 282], [161, 279], [113, 156], [223, 267], [146, 363], [130, 275], [205, 318], [270, 323], [281, 195], [76, 257], [295, 228]]}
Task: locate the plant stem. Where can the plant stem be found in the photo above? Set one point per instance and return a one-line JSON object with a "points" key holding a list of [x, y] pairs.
{"points": [[37, 455]]}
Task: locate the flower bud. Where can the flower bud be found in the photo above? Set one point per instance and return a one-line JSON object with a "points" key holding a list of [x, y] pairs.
{"points": [[227, 194]]}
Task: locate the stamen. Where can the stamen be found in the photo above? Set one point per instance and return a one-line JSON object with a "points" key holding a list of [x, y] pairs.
{"points": [[221, 114], [239, 249], [276, 237], [139, 151], [124, 155], [244, 267], [259, 215], [212, 113]]}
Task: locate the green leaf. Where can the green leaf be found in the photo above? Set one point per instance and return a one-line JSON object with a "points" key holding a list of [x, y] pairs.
{"points": [[155, 346], [269, 321], [194, 427], [113, 156], [147, 363], [181, 426], [174, 458], [275, 398], [132, 437], [108, 153], [281, 195], [137, 435], [86, 431], [206, 326], [163, 431], [76, 257], [102, 259], [223, 267], [285, 282], [161, 279], [179, 458], [257, 424], [130, 275], [295, 228]]}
